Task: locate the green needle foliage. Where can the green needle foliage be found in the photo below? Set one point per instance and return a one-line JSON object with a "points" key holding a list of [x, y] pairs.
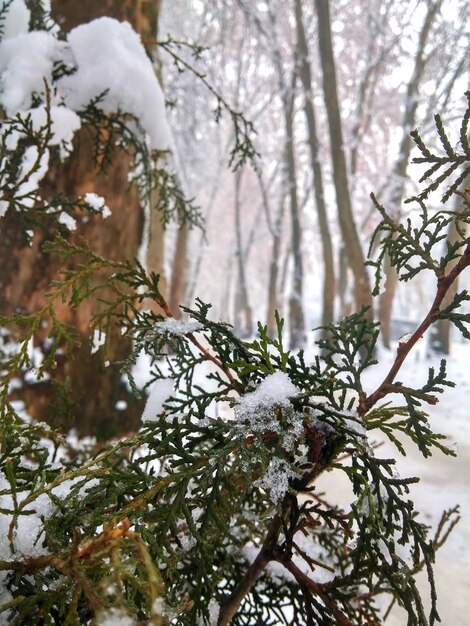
{"points": [[211, 512]]}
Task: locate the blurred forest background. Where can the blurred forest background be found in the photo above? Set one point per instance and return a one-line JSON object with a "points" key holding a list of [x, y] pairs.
{"points": [[294, 234], [332, 89]]}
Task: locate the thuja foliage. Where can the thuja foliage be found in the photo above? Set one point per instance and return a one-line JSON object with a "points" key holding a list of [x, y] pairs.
{"points": [[211, 513]]}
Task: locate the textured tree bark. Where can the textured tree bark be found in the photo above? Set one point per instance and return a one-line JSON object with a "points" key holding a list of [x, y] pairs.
{"points": [[86, 395], [329, 280], [347, 224]]}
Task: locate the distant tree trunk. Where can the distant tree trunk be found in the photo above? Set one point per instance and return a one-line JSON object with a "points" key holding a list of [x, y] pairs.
{"points": [[376, 53], [296, 313], [243, 311], [347, 224], [179, 270], [401, 165], [329, 281], [155, 236], [287, 95], [96, 395], [273, 287], [345, 303], [441, 340]]}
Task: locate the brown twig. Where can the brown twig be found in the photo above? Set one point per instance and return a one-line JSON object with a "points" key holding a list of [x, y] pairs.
{"points": [[316, 589], [207, 355], [231, 605], [388, 385]]}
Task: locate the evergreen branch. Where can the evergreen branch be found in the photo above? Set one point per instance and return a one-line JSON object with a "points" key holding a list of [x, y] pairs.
{"points": [[443, 285]]}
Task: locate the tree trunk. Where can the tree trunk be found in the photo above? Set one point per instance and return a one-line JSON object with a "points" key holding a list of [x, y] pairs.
{"points": [[85, 394], [296, 314], [287, 95], [401, 165], [243, 312], [273, 288], [329, 281], [347, 224], [179, 270], [441, 340]]}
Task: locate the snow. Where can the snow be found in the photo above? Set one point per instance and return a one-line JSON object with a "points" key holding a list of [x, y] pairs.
{"points": [[28, 532], [255, 411], [33, 168], [276, 479], [97, 203], [214, 610], [26, 61], [275, 390], [16, 20], [176, 327], [114, 617], [64, 124], [110, 58], [67, 220], [160, 392], [109, 61], [98, 340]]}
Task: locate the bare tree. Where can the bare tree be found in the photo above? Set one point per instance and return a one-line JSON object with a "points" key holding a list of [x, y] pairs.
{"points": [[329, 281], [349, 232], [400, 167]]}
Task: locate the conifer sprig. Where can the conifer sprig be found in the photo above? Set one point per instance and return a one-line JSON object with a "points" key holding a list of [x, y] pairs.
{"points": [[453, 160]]}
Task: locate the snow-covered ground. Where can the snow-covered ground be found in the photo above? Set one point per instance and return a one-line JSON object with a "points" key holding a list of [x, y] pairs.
{"points": [[445, 483], [444, 479]]}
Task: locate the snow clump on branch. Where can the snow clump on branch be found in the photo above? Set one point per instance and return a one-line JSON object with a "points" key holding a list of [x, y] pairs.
{"points": [[107, 62], [103, 62]]}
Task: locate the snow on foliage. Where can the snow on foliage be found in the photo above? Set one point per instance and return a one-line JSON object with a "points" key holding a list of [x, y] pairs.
{"points": [[276, 389], [175, 327], [97, 203], [257, 410], [16, 20], [98, 340], [26, 64], [27, 533], [109, 61], [214, 611], [110, 58], [114, 617], [106, 64], [64, 124], [276, 479], [68, 221]]}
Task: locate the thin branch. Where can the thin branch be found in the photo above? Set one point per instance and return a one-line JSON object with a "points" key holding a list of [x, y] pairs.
{"points": [[388, 385], [207, 355], [230, 607], [316, 589]]}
